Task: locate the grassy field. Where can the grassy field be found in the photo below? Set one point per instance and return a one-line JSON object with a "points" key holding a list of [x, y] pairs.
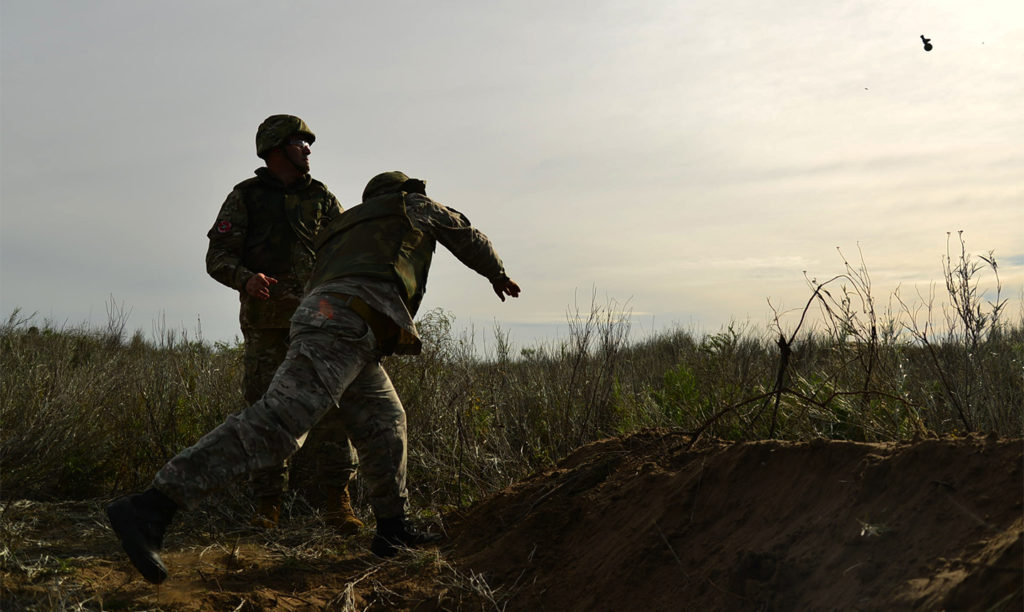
{"points": [[93, 412], [87, 414]]}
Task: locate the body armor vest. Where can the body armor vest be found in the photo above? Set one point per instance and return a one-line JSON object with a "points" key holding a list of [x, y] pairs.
{"points": [[270, 243], [282, 224], [376, 239]]}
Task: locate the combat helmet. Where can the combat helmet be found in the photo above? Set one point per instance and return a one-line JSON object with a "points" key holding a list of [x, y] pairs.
{"points": [[277, 129], [390, 182]]}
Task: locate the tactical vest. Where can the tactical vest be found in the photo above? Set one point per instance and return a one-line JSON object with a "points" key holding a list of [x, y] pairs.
{"points": [[282, 223], [270, 241], [376, 239]]}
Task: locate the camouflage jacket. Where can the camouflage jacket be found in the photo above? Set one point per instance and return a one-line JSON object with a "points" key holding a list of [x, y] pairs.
{"points": [[267, 227], [439, 223]]}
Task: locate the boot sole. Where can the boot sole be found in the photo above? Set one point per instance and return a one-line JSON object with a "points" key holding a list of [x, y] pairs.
{"points": [[125, 519]]}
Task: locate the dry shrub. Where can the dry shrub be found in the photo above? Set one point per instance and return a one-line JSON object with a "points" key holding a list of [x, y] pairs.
{"points": [[86, 412]]}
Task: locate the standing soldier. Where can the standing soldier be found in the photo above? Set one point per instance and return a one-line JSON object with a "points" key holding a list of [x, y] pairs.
{"points": [[369, 280], [262, 246]]}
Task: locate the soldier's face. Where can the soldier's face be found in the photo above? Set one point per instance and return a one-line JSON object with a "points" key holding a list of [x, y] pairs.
{"points": [[297, 151]]}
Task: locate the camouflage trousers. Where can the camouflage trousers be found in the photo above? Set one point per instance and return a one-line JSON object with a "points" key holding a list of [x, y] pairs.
{"points": [[332, 365], [326, 459]]}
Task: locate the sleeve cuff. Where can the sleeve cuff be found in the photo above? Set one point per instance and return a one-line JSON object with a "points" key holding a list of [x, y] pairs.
{"points": [[242, 276]]}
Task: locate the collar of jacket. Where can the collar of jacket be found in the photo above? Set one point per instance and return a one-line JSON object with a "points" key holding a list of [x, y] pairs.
{"points": [[263, 173]]}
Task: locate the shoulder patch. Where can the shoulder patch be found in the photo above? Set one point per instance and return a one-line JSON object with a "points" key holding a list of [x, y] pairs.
{"points": [[223, 226]]}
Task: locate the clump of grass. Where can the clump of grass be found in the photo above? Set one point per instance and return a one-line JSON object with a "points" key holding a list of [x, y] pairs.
{"points": [[87, 412], [864, 372], [972, 353]]}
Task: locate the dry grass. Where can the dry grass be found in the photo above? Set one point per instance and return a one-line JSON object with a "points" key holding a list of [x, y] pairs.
{"points": [[90, 413]]}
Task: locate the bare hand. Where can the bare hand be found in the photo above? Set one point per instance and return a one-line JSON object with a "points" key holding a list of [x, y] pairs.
{"points": [[508, 287], [258, 286]]}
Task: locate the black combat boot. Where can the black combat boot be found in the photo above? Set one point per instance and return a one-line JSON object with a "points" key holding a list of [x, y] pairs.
{"points": [[395, 532], [140, 521]]}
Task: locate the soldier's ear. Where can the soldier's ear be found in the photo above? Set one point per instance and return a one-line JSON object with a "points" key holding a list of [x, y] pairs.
{"points": [[415, 186]]}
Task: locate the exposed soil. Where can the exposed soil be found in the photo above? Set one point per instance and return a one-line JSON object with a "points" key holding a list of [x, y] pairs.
{"points": [[644, 522]]}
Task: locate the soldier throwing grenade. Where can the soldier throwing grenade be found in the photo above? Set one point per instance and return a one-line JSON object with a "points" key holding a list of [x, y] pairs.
{"points": [[368, 282]]}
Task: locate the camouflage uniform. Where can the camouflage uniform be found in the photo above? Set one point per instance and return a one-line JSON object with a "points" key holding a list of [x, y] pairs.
{"points": [[267, 227], [333, 366]]}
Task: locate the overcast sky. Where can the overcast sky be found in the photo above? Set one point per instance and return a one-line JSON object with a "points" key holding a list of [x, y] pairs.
{"points": [[688, 159]]}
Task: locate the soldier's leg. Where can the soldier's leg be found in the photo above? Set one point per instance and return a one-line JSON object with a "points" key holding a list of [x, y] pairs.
{"points": [[375, 420], [321, 472], [265, 350], [325, 463], [319, 366]]}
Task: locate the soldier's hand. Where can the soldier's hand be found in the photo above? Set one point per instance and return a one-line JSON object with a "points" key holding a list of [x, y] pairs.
{"points": [[258, 286], [506, 287]]}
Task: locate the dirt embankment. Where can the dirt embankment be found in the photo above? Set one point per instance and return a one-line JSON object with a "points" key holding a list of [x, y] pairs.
{"points": [[643, 522]]}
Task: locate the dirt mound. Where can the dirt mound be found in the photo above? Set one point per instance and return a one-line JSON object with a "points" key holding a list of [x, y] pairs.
{"points": [[646, 523], [643, 522]]}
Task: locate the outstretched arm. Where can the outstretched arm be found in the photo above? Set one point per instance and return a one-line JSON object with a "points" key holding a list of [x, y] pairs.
{"points": [[469, 245]]}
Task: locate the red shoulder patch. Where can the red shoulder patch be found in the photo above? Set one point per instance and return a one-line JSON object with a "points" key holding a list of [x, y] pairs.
{"points": [[224, 226]]}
